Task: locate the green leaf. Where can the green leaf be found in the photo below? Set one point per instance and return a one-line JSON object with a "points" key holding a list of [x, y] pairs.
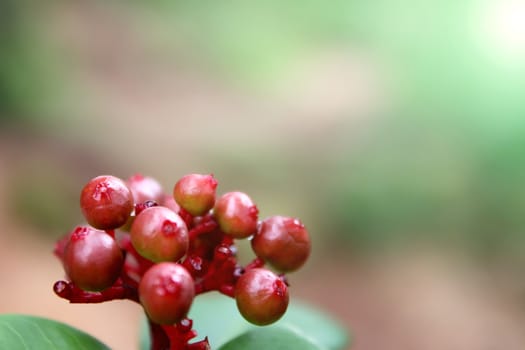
{"points": [[270, 338], [216, 316], [23, 332]]}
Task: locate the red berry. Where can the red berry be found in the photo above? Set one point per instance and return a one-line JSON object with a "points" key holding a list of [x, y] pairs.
{"points": [[195, 193], [170, 203], [145, 188], [166, 292], [261, 296], [159, 234], [106, 202], [283, 242], [236, 214], [92, 259]]}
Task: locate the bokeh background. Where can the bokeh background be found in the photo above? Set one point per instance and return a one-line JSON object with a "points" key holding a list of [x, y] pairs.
{"points": [[394, 129]]}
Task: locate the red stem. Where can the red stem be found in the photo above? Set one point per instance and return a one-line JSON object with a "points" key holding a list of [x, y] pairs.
{"points": [[176, 337], [69, 291], [159, 338]]}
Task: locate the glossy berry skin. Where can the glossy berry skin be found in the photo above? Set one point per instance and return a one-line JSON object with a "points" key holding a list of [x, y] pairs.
{"points": [[283, 242], [170, 203], [236, 214], [106, 202], [166, 292], [145, 188], [92, 259], [159, 234], [261, 296], [195, 193]]}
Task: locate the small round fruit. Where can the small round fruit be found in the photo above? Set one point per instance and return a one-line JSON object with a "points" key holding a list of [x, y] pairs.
{"points": [[170, 203], [283, 242], [159, 234], [261, 296], [236, 214], [92, 259], [195, 193], [106, 202], [166, 292], [145, 188]]}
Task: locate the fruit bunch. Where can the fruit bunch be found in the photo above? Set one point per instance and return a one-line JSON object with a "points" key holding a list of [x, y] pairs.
{"points": [[162, 250]]}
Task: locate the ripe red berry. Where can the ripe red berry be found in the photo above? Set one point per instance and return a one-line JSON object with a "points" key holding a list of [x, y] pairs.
{"points": [[92, 259], [261, 296], [166, 292], [145, 188], [283, 242], [159, 234], [170, 203], [106, 202], [236, 214], [195, 193]]}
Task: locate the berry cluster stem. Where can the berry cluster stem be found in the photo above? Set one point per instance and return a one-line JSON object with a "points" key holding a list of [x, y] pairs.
{"points": [[75, 295]]}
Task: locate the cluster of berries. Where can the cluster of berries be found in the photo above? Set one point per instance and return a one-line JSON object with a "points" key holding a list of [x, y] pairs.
{"points": [[162, 250]]}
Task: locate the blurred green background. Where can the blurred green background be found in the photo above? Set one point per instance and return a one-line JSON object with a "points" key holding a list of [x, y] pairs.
{"points": [[386, 126]]}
